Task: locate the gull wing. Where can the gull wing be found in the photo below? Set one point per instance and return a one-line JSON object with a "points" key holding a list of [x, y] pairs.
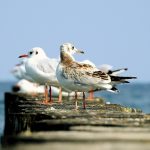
{"points": [[85, 74], [47, 65]]}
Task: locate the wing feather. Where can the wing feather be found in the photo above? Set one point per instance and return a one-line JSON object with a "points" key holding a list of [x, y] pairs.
{"points": [[47, 65], [85, 74]]}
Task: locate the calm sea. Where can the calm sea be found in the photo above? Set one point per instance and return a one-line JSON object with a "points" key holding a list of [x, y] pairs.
{"points": [[131, 95]]}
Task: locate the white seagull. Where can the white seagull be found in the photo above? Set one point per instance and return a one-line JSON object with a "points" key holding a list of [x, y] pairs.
{"points": [[82, 77], [108, 69], [25, 86], [41, 69], [19, 71]]}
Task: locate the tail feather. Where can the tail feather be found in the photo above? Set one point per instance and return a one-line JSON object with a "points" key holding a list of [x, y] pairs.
{"points": [[117, 71], [124, 81], [114, 74], [114, 90], [117, 78], [121, 79]]}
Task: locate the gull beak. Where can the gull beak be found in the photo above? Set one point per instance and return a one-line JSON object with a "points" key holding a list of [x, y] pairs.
{"points": [[24, 55], [79, 51]]}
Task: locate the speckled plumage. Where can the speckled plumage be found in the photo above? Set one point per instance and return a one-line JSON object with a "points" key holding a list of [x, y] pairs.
{"points": [[78, 76]]}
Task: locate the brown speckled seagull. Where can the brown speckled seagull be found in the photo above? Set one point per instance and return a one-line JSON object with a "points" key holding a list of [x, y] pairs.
{"points": [[82, 77]]}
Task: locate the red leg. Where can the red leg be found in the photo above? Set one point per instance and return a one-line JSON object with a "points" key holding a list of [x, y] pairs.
{"points": [[50, 95], [84, 103], [60, 95], [91, 95], [46, 95]]}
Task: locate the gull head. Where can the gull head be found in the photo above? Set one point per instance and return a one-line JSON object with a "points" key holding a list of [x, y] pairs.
{"points": [[35, 52], [70, 49]]}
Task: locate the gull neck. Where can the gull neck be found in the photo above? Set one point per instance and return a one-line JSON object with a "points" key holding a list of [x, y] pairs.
{"points": [[66, 58]]}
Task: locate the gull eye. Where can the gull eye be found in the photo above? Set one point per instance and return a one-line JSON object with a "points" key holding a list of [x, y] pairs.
{"points": [[36, 52], [72, 47], [30, 53]]}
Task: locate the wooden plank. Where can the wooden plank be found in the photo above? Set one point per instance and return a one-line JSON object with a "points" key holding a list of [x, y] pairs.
{"points": [[27, 120]]}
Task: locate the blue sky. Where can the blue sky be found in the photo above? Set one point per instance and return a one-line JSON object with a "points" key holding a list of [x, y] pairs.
{"points": [[115, 32]]}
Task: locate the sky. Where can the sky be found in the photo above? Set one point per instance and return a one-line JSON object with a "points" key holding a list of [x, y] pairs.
{"points": [[115, 32]]}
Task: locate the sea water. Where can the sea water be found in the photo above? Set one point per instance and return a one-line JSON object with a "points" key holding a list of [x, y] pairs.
{"points": [[131, 95]]}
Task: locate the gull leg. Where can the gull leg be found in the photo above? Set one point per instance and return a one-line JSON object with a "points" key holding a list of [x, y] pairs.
{"points": [[76, 103], [91, 95], [84, 103], [60, 95], [50, 95], [46, 94], [76, 95]]}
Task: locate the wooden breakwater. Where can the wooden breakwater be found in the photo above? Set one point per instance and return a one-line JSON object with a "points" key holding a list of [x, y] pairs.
{"points": [[28, 121]]}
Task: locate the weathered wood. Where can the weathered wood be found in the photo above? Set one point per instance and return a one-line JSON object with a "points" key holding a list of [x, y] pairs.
{"points": [[27, 119]]}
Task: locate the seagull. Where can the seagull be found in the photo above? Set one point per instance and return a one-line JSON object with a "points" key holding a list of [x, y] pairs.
{"points": [[19, 71], [41, 69], [82, 77], [25, 86], [107, 69]]}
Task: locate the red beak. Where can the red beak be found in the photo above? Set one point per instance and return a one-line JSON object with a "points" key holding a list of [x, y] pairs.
{"points": [[24, 55]]}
